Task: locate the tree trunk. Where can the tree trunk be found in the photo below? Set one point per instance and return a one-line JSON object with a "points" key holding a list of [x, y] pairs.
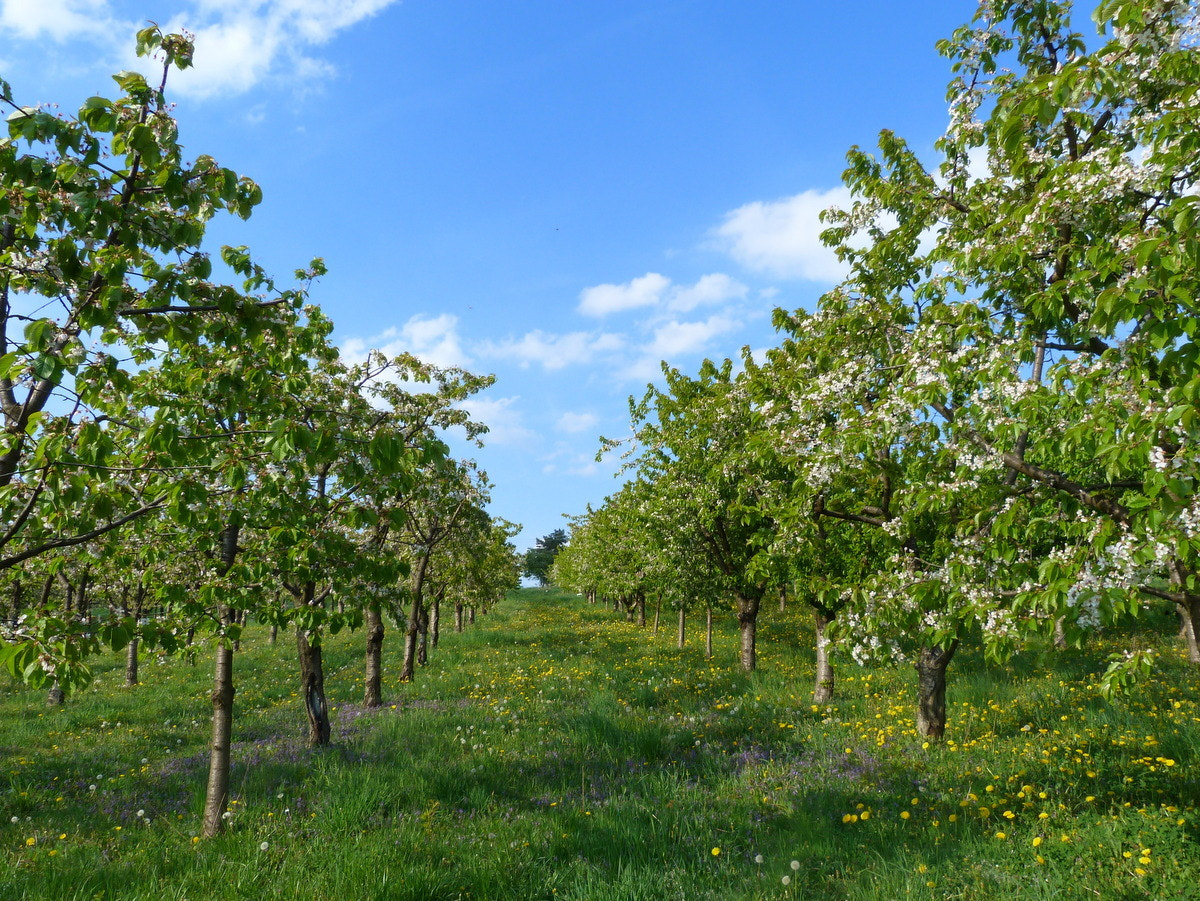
{"points": [[312, 676], [435, 619], [131, 650], [931, 690], [55, 696], [458, 616], [682, 633], [415, 613], [657, 611], [1189, 622], [423, 639], [273, 635], [640, 600], [373, 668], [216, 796], [748, 629], [708, 617], [1060, 634], [131, 663], [471, 615], [782, 598], [1189, 612], [312, 689], [18, 591], [823, 691]]}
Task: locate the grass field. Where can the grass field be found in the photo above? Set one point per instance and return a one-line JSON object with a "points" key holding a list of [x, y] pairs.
{"points": [[555, 751]]}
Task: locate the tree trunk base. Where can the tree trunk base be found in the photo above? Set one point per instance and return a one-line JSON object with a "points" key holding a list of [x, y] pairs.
{"points": [[931, 691]]}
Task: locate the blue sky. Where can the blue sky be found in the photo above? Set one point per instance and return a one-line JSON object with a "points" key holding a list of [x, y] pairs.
{"points": [[559, 193]]}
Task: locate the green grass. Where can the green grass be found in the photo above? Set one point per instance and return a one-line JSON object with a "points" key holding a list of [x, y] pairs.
{"points": [[556, 751]]}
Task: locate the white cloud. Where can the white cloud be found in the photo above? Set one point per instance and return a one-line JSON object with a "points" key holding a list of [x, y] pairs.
{"points": [[783, 237], [505, 422], [646, 291], [239, 43], [432, 339], [56, 19], [659, 292], [568, 460], [711, 289], [574, 423], [674, 339], [553, 352]]}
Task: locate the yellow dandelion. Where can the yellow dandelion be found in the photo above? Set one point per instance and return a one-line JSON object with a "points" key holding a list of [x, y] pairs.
{"points": [[716, 852]]}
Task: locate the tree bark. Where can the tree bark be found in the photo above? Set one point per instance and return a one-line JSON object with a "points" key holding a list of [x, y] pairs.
{"points": [[1189, 621], [782, 598], [131, 663], [458, 616], [682, 633], [415, 613], [131, 650], [55, 696], [931, 666], [312, 690], [435, 618], [373, 668], [216, 796], [657, 611], [748, 629], [708, 618], [640, 600], [823, 690], [471, 615], [423, 639], [1188, 606], [1060, 634]]}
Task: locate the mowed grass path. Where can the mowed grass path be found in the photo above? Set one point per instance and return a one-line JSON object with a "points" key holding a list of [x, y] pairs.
{"points": [[556, 751]]}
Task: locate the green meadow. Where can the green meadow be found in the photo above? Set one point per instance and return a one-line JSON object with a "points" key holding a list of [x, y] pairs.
{"points": [[556, 751]]}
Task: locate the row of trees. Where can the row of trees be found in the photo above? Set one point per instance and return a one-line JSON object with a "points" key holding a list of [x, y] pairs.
{"points": [[182, 446], [990, 428]]}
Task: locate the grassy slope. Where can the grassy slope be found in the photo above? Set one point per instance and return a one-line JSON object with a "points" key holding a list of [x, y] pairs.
{"points": [[556, 752]]}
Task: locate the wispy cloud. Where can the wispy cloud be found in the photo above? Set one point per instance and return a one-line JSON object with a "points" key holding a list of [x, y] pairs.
{"points": [[575, 423], [710, 290], [239, 43], [782, 238], [60, 20], [505, 421], [645, 291], [553, 352], [673, 339], [657, 292], [433, 339]]}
